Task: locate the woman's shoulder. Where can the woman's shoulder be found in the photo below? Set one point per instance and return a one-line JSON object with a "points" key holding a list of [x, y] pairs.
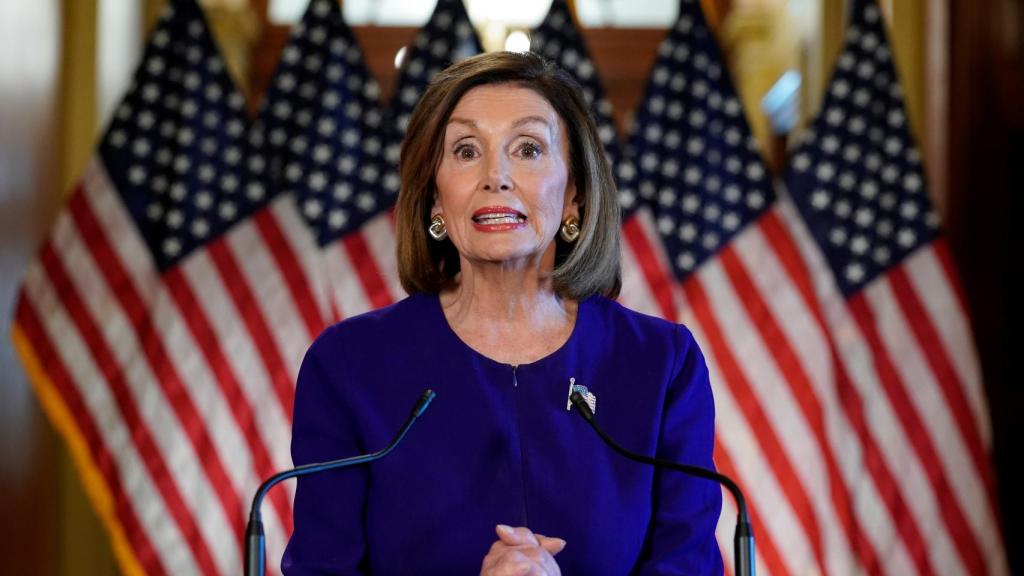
{"points": [[626, 321]]}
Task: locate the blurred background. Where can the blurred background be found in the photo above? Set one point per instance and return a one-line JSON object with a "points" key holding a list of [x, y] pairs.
{"points": [[65, 63]]}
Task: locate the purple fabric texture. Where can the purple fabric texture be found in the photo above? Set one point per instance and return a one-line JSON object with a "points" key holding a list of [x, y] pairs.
{"points": [[498, 446]]}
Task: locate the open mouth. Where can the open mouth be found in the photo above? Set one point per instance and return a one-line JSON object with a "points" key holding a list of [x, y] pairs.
{"points": [[498, 216]]}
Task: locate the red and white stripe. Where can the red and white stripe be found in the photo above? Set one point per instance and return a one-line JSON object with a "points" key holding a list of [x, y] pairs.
{"points": [[187, 378], [361, 269], [905, 342], [836, 480]]}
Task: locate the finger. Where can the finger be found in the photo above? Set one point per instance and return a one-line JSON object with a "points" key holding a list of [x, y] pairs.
{"points": [[517, 536], [552, 545]]}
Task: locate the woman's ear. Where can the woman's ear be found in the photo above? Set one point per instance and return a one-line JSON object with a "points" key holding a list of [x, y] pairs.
{"points": [[572, 201]]}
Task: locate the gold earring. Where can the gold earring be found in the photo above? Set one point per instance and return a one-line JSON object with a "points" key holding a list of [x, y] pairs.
{"points": [[437, 229], [570, 230]]}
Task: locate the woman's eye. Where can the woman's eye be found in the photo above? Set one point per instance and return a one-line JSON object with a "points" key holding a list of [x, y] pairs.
{"points": [[529, 150], [465, 152]]}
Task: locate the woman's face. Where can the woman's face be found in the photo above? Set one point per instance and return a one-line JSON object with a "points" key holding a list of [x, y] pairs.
{"points": [[503, 184]]}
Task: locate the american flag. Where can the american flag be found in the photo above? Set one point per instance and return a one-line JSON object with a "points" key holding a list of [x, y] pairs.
{"points": [[897, 316], [165, 316], [327, 134], [358, 256], [731, 269]]}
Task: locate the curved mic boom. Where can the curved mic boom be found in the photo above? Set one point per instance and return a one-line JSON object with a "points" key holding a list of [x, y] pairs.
{"points": [[255, 541], [743, 541]]}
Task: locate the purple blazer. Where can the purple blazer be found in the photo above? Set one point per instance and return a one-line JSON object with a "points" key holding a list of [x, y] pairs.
{"points": [[498, 446]]}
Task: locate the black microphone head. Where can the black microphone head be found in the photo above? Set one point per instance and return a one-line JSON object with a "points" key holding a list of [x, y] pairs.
{"points": [[421, 405], [581, 406]]}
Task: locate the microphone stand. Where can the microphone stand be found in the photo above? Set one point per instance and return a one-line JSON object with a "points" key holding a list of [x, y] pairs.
{"points": [[743, 541], [255, 542]]}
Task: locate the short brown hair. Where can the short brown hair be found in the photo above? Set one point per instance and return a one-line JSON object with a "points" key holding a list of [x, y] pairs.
{"points": [[586, 267]]}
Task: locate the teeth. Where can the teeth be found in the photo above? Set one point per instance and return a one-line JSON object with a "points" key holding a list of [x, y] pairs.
{"points": [[499, 220]]}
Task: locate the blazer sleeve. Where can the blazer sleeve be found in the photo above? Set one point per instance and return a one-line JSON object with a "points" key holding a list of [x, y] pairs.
{"points": [[681, 538], [328, 536]]}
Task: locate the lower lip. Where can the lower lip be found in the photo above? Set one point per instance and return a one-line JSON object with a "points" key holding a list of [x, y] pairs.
{"points": [[504, 227]]}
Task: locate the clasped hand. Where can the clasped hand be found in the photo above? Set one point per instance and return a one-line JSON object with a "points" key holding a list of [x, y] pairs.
{"points": [[520, 552]]}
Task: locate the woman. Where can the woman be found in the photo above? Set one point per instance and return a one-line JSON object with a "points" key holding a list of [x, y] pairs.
{"points": [[508, 245]]}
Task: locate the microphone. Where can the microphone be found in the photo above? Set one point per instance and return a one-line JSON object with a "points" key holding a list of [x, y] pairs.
{"points": [[743, 541], [255, 542]]}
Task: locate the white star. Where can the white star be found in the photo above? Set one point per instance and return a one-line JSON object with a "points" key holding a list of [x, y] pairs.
{"points": [[859, 245], [884, 228], [141, 147], [227, 210], [312, 208], [825, 172], [255, 191], [171, 247], [733, 194], [200, 228], [851, 153], [346, 164], [842, 208], [847, 181], [178, 192], [317, 181], [154, 211], [207, 173], [906, 238], [695, 145], [854, 272], [366, 202], [665, 224], [670, 168], [869, 189], [820, 199], [709, 240], [175, 219], [204, 200], [685, 261], [691, 203], [864, 217], [835, 116], [909, 210], [837, 236], [182, 164], [912, 182], [337, 218], [185, 137], [755, 200], [342, 191]]}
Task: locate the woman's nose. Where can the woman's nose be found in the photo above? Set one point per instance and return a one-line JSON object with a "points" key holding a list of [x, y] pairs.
{"points": [[498, 177]]}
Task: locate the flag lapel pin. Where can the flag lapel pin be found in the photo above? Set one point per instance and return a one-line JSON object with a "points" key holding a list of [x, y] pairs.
{"points": [[588, 396]]}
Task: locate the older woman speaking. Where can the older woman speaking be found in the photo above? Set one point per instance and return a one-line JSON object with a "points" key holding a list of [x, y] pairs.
{"points": [[508, 244]]}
